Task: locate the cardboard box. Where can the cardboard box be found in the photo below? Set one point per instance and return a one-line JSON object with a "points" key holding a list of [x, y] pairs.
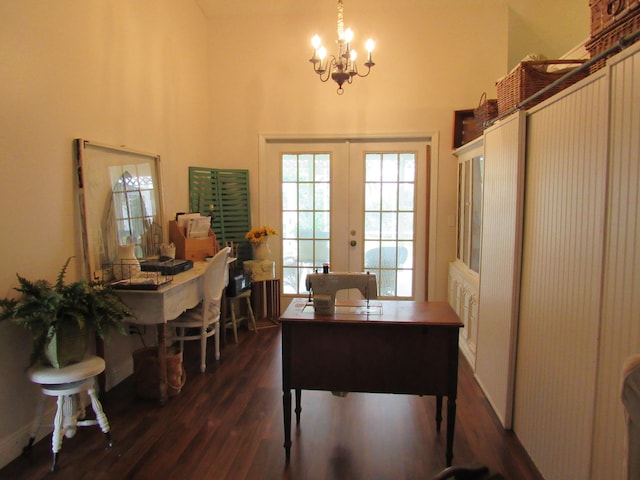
{"points": [[194, 249]]}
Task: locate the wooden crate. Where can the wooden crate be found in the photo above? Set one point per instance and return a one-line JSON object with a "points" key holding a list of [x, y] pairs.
{"points": [[528, 78], [195, 249], [465, 127]]}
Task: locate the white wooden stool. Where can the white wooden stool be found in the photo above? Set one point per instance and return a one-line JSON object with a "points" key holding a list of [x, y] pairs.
{"points": [[246, 295], [65, 384]]}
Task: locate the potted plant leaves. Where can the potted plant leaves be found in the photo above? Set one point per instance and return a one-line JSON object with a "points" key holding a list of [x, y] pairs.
{"points": [[61, 315]]}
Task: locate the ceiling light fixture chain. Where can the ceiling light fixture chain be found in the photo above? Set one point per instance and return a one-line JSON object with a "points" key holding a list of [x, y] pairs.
{"points": [[341, 68]]}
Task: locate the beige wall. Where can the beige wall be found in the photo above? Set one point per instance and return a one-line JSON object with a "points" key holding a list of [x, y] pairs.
{"points": [[116, 71], [429, 63], [549, 27]]}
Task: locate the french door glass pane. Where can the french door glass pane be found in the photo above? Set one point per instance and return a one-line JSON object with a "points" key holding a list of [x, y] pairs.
{"points": [[466, 213], [476, 211], [389, 221], [305, 216]]}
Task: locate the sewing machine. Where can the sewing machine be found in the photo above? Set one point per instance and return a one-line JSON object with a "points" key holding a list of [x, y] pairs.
{"points": [[324, 286]]}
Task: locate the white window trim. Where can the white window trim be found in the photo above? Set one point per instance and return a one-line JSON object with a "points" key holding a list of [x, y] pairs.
{"points": [[431, 138]]}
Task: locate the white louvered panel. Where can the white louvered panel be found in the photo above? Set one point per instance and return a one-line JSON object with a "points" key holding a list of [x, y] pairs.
{"points": [[620, 332], [500, 264], [561, 279]]}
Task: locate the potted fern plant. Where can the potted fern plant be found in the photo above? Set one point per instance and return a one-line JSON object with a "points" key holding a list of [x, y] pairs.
{"points": [[61, 315]]}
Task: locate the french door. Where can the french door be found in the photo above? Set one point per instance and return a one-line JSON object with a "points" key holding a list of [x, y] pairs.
{"points": [[354, 205]]}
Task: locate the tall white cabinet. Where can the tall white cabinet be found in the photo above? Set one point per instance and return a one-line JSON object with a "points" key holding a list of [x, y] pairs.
{"points": [[500, 263], [575, 316], [463, 272]]}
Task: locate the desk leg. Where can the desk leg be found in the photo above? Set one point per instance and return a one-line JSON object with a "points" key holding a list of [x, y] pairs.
{"points": [[451, 426], [438, 412], [162, 362], [286, 404], [298, 405]]}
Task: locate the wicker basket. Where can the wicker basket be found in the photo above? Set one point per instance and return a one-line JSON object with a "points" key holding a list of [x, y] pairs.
{"points": [[487, 110], [146, 372], [607, 38], [528, 78], [605, 13]]}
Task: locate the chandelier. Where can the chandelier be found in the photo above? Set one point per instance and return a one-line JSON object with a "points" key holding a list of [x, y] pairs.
{"points": [[341, 68]]}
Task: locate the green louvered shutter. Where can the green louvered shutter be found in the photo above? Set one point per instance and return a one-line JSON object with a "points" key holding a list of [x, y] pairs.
{"points": [[228, 192]]}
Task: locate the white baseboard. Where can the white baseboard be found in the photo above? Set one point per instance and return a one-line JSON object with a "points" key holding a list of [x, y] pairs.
{"points": [[11, 446], [117, 372], [469, 355]]}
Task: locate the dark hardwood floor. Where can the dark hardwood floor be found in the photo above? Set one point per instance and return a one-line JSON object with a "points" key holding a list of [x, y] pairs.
{"points": [[227, 424]]}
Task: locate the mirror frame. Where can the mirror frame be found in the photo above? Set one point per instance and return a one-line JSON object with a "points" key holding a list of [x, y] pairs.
{"points": [[94, 160]]}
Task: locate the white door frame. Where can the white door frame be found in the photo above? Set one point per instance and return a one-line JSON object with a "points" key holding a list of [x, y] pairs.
{"points": [[431, 138]]}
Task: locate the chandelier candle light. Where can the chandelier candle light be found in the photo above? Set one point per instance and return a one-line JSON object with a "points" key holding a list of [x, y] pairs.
{"points": [[342, 68]]}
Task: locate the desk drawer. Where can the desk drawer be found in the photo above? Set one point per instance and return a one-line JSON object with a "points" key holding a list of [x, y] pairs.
{"points": [[373, 358]]}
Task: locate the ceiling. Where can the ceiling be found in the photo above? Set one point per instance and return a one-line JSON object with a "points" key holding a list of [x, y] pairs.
{"points": [[216, 8]]}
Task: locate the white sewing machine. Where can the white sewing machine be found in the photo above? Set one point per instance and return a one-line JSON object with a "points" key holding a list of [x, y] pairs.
{"points": [[324, 286]]}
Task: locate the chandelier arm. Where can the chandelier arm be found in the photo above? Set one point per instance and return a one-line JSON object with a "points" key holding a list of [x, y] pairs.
{"points": [[362, 75], [328, 67]]}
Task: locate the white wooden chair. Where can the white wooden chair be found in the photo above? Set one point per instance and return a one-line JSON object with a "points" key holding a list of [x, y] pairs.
{"points": [[206, 316], [66, 384]]}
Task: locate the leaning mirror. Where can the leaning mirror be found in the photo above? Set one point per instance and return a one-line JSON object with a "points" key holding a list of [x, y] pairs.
{"points": [[120, 202]]}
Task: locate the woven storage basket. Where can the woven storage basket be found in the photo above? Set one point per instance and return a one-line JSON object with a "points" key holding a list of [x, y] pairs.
{"points": [[146, 372], [605, 13], [607, 38], [487, 110], [527, 79]]}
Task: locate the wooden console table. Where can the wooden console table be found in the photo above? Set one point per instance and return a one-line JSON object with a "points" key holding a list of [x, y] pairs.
{"points": [[404, 347]]}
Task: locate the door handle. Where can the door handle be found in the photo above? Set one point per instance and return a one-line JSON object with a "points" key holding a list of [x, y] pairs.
{"points": [[353, 243]]}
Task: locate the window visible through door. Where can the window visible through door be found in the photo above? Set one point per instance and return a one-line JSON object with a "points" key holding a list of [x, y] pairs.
{"points": [[389, 221], [357, 205], [306, 206]]}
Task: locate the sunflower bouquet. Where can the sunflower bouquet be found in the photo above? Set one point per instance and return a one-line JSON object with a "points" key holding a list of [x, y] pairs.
{"points": [[259, 234]]}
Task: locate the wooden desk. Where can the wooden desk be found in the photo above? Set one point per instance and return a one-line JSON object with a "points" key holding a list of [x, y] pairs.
{"points": [[157, 307], [408, 348]]}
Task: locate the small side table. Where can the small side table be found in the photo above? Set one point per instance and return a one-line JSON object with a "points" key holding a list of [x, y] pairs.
{"points": [[260, 269], [65, 384], [265, 296]]}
